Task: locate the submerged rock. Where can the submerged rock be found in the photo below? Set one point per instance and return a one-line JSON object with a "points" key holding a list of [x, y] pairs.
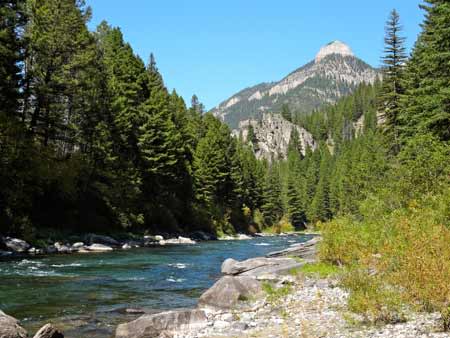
{"points": [[229, 290], [10, 328], [153, 325], [5, 253], [48, 331]]}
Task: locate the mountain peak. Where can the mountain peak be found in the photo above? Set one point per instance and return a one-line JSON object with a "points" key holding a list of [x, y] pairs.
{"points": [[334, 47]]}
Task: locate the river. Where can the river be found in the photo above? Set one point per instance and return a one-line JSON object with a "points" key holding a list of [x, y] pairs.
{"points": [[86, 295]]}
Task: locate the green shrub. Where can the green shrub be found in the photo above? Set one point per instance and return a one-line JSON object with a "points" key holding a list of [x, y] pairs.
{"points": [[320, 269], [274, 294], [372, 298]]}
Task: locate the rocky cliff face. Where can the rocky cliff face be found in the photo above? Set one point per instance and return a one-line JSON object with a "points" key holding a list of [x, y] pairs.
{"points": [[334, 72], [272, 136]]}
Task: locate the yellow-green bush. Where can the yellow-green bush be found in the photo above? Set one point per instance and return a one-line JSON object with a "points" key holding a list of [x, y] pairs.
{"points": [[396, 258]]}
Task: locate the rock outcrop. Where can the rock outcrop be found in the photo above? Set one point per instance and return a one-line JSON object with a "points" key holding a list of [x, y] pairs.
{"points": [[10, 327], [154, 325], [272, 136]]}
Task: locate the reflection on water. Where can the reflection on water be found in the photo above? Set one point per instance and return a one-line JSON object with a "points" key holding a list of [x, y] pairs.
{"points": [[86, 295]]}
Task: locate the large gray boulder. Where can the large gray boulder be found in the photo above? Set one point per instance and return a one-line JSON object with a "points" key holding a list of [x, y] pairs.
{"points": [[153, 325], [16, 245], [48, 331], [10, 328], [101, 239], [228, 291], [259, 266]]}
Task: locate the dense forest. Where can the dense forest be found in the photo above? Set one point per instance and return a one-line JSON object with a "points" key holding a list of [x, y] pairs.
{"points": [[92, 140]]}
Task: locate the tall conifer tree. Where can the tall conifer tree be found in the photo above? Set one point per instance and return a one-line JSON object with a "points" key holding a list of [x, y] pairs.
{"points": [[394, 60]]}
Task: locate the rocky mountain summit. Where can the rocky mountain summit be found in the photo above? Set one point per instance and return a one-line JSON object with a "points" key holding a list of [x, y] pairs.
{"points": [[334, 72], [272, 135]]}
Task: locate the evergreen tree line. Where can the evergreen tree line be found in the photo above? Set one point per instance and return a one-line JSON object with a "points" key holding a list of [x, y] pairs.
{"points": [[363, 139], [92, 140]]}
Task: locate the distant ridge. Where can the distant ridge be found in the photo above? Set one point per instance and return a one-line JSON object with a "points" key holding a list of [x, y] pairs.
{"points": [[334, 72]]}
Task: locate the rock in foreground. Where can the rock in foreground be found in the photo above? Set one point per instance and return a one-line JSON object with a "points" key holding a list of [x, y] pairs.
{"points": [[10, 328], [153, 325], [229, 290], [48, 331]]}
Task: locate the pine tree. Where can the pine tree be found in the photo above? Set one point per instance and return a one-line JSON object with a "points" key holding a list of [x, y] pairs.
{"points": [[272, 204], [159, 139], [60, 56], [212, 164], [295, 206], [394, 60], [426, 103], [319, 209]]}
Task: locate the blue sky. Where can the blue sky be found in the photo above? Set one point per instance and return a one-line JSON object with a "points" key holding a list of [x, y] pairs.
{"points": [[214, 48]]}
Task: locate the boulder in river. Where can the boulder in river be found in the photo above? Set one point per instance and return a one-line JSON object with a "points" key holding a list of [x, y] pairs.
{"points": [[101, 239], [16, 245], [99, 247], [179, 240], [51, 249], [228, 291], [62, 248], [202, 236], [153, 325], [77, 245], [48, 331], [10, 328]]}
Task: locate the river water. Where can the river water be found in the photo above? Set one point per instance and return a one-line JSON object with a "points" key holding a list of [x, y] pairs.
{"points": [[86, 295]]}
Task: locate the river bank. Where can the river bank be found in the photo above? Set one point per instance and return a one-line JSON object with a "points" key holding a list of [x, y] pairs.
{"points": [[270, 295], [11, 247], [88, 295], [276, 296]]}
